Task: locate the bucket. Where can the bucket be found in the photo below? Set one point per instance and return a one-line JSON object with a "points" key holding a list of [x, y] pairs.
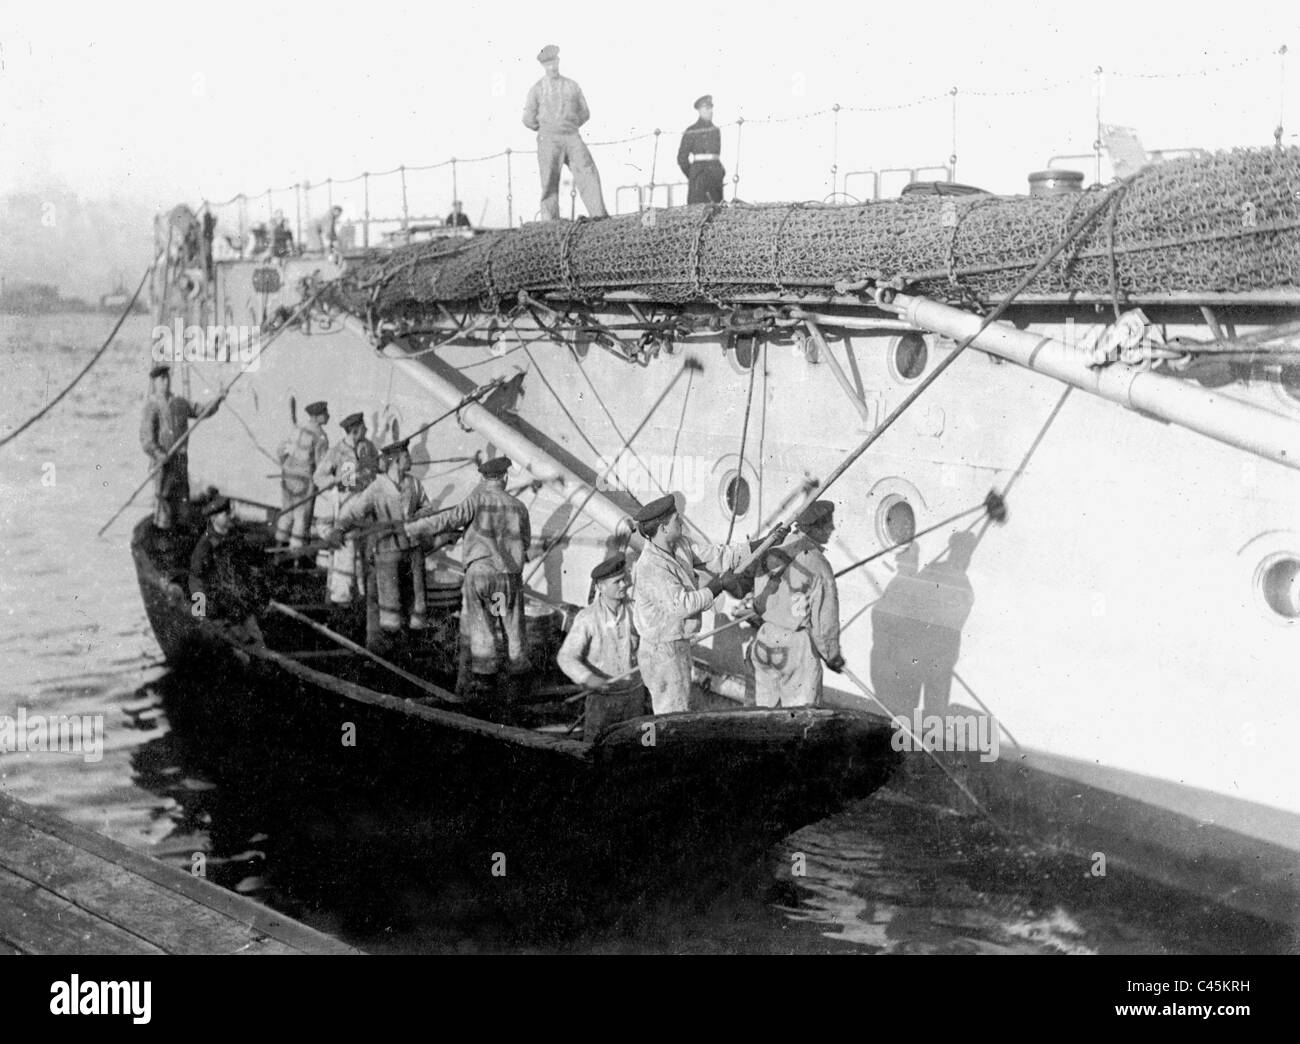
{"points": [[543, 632]]}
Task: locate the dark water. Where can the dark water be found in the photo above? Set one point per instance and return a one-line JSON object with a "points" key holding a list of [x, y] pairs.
{"points": [[886, 875]]}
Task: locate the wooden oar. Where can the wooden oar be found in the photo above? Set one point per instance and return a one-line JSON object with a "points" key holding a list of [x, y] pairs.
{"points": [[309, 496], [361, 650]]}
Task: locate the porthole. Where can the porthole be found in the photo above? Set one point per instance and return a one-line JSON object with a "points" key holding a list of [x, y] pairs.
{"points": [[895, 521], [908, 356], [743, 352], [735, 495], [1277, 585], [1289, 381]]}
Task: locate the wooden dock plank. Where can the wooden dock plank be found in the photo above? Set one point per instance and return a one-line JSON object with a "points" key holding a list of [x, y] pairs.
{"points": [[36, 920], [81, 878], [106, 890]]}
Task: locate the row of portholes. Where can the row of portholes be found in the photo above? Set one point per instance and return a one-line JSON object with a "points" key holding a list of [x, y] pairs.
{"points": [[1277, 578], [895, 516], [906, 358]]}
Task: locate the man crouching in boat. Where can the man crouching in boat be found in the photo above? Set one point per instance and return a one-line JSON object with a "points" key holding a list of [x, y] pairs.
{"points": [[395, 582], [601, 645], [226, 583], [667, 600], [497, 535]]}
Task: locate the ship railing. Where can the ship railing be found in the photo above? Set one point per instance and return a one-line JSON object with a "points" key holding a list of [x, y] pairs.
{"points": [[1103, 169], [889, 182], [649, 196], [388, 198]]}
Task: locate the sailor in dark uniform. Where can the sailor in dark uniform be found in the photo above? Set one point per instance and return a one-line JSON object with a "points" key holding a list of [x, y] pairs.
{"points": [[699, 156]]}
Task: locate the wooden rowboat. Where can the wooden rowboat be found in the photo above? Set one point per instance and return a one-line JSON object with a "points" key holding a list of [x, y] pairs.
{"points": [[684, 786]]}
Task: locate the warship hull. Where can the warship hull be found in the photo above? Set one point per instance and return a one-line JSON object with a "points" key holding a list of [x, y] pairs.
{"points": [[1130, 628]]}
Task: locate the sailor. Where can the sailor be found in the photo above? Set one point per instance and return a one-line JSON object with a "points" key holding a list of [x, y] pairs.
{"points": [[601, 645], [281, 237], [699, 156], [497, 534], [349, 467], [395, 584], [300, 455], [457, 218], [668, 601], [556, 108], [323, 233], [257, 244], [796, 596], [164, 422], [226, 581]]}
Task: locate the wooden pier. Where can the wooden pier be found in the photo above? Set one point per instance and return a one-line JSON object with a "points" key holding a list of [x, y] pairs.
{"points": [[66, 890]]}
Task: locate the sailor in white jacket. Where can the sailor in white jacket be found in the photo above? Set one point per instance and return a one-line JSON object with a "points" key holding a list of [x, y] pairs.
{"points": [[668, 601]]}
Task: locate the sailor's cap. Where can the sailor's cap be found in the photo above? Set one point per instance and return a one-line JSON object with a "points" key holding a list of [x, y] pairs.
{"points": [[704, 99], [549, 53], [394, 448], [817, 511], [316, 409], [495, 467], [216, 505], [352, 420], [612, 566], [660, 508], [159, 370]]}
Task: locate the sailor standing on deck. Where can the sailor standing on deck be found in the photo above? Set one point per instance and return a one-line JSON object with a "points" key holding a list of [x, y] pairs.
{"points": [[349, 467], [699, 156], [395, 584], [165, 420], [556, 108], [601, 645], [800, 606], [667, 600], [300, 455], [497, 536]]}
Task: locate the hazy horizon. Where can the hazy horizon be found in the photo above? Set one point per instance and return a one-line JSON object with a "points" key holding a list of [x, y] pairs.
{"points": [[109, 120]]}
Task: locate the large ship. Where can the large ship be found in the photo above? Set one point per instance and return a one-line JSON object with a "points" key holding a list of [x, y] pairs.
{"points": [[1120, 365]]}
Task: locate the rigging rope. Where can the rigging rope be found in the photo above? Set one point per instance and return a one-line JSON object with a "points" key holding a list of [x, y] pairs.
{"points": [[744, 434], [85, 369]]}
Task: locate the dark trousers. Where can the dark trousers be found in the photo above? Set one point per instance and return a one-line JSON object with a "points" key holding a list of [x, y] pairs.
{"points": [[705, 182]]}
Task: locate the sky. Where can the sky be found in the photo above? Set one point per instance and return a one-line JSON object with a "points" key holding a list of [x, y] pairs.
{"points": [[163, 102]]}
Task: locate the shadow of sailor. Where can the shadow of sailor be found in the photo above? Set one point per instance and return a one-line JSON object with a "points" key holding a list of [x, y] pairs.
{"points": [[917, 628]]}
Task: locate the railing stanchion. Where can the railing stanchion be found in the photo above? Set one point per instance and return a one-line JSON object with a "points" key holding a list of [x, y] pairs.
{"points": [[406, 214], [510, 194], [365, 221]]}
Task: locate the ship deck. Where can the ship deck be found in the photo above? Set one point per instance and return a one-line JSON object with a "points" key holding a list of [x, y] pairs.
{"points": [[67, 890]]}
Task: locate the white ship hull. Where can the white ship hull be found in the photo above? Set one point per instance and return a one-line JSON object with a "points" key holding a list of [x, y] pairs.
{"points": [[1117, 625]]}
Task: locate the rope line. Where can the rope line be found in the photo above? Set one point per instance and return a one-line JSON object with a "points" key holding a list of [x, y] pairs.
{"points": [[85, 369]]}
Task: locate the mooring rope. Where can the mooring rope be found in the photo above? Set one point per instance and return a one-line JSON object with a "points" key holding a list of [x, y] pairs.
{"points": [[85, 369]]}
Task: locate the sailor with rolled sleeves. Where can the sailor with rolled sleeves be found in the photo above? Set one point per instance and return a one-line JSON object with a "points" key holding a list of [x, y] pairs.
{"points": [[300, 455], [601, 645], [395, 583], [699, 156], [796, 596], [165, 421], [668, 601], [497, 534], [350, 466]]}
